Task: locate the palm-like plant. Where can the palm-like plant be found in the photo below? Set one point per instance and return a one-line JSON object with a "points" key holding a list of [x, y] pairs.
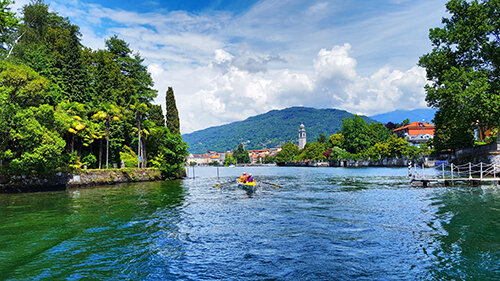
{"points": [[109, 112], [69, 116], [94, 131], [140, 109]]}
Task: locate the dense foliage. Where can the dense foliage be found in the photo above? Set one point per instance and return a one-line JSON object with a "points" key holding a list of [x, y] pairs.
{"points": [[271, 129], [357, 140], [229, 160], [464, 69], [241, 155], [288, 153], [172, 114], [63, 106]]}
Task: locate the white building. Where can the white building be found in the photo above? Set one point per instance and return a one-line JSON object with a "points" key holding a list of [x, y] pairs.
{"points": [[302, 136]]}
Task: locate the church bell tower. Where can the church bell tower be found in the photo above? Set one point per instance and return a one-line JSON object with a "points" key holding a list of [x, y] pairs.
{"points": [[302, 136]]}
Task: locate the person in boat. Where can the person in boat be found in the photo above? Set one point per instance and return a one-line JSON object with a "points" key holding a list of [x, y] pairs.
{"points": [[244, 178], [250, 178]]}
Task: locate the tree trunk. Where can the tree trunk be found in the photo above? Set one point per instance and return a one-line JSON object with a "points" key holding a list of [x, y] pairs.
{"points": [[139, 160], [144, 160], [107, 142], [100, 153]]}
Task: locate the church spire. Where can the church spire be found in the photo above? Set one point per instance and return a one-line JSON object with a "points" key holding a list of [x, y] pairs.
{"points": [[302, 136]]}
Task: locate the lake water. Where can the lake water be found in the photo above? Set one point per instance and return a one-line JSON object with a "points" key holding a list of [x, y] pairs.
{"points": [[323, 224]]}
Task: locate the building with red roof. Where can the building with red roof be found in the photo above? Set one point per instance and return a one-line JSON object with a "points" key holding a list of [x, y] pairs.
{"points": [[416, 133]]}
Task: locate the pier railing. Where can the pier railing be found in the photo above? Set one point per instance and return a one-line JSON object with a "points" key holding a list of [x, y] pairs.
{"points": [[450, 173]]}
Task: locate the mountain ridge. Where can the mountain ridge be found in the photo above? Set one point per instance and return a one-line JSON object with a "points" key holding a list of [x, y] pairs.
{"points": [[397, 116], [269, 129]]}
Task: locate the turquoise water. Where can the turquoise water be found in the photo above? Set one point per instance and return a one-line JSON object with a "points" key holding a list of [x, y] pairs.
{"points": [[324, 224]]}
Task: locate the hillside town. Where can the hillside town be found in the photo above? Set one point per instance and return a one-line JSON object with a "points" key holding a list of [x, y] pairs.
{"points": [[415, 133], [257, 156]]}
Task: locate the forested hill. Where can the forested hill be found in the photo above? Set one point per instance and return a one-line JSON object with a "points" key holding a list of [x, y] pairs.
{"points": [[268, 130]]}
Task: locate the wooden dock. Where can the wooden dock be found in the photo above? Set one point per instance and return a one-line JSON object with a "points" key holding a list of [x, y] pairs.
{"points": [[470, 174]]}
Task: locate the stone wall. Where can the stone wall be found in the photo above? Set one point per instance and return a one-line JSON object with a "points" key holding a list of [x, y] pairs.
{"points": [[388, 162], [79, 178], [112, 176], [485, 153]]}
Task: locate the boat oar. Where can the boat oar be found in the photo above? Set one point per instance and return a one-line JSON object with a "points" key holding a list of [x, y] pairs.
{"points": [[219, 185], [270, 183]]}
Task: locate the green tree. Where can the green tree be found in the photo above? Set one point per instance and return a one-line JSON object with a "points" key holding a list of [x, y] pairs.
{"points": [[21, 85], [70, 123], [108, 82], [337, 153], [172, 114], [50, 44], [313, 151], [356, 134], [27, 147], [57, 98], [140, 109], [155, 115], [288, 152], [336, 139], [322, 138], [109, 112], [464, 69], [241, 155], [229, 160], [131, 65], [8, 22], [378, 132], [170, 152], [270, 159]]}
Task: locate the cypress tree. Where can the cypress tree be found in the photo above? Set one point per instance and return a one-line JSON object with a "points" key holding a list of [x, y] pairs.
{"points": [[172, 113], [155, 115]]}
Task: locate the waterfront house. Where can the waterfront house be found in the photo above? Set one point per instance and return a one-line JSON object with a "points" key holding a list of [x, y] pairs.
{"points": [[207, 158], [416, 133]]}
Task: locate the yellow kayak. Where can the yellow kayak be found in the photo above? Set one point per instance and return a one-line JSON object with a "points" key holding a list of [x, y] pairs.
{"points": [[249, 184]]}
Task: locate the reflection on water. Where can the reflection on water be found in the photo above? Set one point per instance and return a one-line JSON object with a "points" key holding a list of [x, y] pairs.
{"points": [[470, 243], [325, 223]]}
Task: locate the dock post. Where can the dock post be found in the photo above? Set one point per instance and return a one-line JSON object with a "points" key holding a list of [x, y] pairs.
{"points": [[193, 172], [423, 171], [481, 170], [495, 173], [442, 166], [470, 170], [415, 168], [217, 172], [409, 169], [451, 173]]}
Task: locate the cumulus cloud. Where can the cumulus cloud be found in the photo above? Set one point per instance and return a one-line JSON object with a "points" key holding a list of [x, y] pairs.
{"points": [[228, 93], [226, 67]]}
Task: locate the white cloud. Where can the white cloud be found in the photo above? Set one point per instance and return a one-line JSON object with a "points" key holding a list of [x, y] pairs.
{"points": [[226, 67], [223, 92]]}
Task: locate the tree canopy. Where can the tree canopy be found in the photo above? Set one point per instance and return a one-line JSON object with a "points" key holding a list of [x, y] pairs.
{"points": [[356, 134], [59, 101], [241, 155], [288, 152], [172, 114], [463, 67]]}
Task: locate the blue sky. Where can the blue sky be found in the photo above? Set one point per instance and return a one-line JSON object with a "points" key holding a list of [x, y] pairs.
{"points": [[228, 60], [235, 6]]}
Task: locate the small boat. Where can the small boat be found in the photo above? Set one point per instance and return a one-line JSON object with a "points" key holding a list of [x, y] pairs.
{"points": [[246, 184]]}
